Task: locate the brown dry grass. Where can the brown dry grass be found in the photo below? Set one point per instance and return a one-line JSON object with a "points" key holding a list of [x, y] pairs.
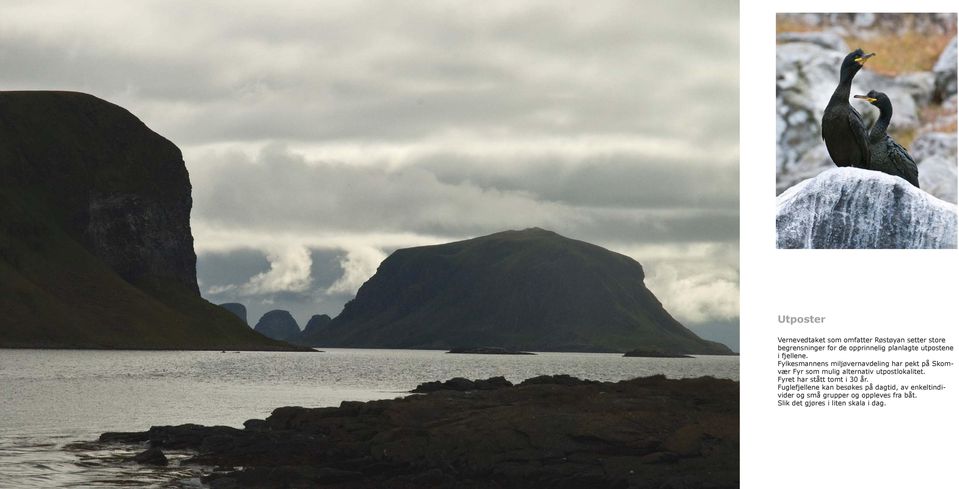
{"points": [[904, 137], [791, 25], [897, 54]]}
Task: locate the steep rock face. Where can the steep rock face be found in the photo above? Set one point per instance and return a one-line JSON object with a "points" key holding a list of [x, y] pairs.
{"points": [[95, 242], [123, 189], [520, 290], [238, 310], [854, 208], [279, 325], [313, 329]]}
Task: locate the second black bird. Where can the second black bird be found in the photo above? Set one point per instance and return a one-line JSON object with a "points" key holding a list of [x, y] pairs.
{"points": [[887, 155]]}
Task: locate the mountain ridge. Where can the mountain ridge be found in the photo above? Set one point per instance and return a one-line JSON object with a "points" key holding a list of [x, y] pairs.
{"points": [[530, 290]]}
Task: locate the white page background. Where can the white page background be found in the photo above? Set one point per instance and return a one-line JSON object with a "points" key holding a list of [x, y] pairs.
{"points": [[861, 292]]}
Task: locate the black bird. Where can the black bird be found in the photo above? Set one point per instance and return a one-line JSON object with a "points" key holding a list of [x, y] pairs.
{"points": [[887, 155], [842, 128]]}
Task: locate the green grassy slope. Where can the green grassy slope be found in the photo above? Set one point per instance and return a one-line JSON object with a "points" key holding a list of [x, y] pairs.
{"points": [[528, 290], [56, 150]]}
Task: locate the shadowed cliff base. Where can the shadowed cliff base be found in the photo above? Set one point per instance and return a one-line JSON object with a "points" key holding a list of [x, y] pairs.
{"points": [[558, 432], [95, 242]]}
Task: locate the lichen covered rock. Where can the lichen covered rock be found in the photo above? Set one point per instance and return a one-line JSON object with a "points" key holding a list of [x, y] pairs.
{"points": [[854, 208]]}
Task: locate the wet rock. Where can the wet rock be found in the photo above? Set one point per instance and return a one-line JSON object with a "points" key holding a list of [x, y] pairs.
{"points": [[254, 425], [185, 436], [151, 456], [854, 208], [123, 437]]}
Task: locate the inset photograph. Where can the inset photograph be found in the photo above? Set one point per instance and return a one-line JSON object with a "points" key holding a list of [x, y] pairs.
{"points": [[866, 130]]}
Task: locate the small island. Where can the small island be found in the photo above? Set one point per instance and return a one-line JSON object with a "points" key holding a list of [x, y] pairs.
{"points": [[488, 350], [654, 354]]}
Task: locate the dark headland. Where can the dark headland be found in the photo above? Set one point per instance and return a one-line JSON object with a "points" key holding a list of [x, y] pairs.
{"points": [[488, 350], [653, 354], [95, 242], [529, 290], [557, 432]]}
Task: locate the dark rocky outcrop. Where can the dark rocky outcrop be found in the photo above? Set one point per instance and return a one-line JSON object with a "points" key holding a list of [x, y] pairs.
{"points": [[151, 456], [488, 350], [313, 330], [95, 242], [531, 290], [854, 208], [652, 354], [279, 325], [561, 379], [462, 385], [642, 433], [238, 310]]}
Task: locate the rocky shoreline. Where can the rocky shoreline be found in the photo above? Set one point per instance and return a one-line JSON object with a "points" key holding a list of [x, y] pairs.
{"points": [[549, 431]]}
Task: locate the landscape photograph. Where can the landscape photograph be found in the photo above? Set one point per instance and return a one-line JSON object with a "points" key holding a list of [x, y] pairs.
{"points": [[350, 245]]}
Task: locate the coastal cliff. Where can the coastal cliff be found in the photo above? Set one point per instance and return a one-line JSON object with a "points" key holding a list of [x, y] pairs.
{"points": [[95, 242]]}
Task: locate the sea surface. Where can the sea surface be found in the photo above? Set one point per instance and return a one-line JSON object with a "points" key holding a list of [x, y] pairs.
{"points": [[54, 402]]}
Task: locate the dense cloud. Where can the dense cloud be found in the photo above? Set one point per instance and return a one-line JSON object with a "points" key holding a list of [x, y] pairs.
{"points": [[322, 136]]}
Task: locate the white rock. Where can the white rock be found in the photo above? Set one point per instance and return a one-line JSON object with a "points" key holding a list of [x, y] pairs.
{"points": [[937, 175], [853, 208], [825, 39], [933, 144]]}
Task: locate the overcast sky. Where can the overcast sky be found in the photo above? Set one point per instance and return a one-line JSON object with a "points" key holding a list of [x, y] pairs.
{"points": [[321, 136]]}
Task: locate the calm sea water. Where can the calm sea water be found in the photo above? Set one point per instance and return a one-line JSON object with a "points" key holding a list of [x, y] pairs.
{"points": [[53, 401]]}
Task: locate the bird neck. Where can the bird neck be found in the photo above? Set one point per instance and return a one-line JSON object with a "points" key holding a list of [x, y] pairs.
{"points": [[845, 85], [878, 130]]}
